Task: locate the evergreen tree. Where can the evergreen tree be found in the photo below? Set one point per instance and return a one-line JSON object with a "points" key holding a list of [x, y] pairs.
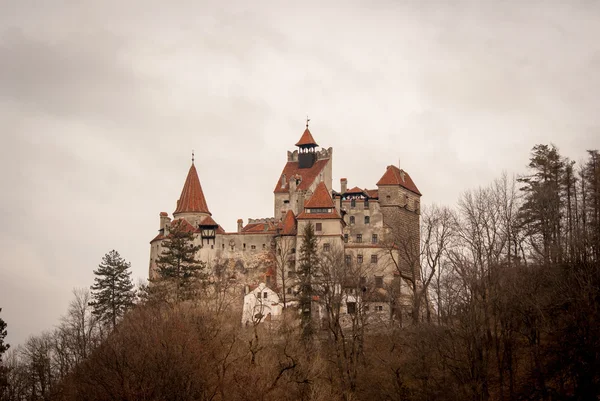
{"points": [[178, 264], [112, 291], [3, 348], [543, 206], [307, 269]]}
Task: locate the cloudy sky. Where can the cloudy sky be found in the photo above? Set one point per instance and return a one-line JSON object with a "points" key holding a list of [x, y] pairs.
{"points": [[102, 102]]}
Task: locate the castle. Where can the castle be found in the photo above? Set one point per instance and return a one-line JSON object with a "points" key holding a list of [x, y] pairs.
{"points": [[355, 221]]}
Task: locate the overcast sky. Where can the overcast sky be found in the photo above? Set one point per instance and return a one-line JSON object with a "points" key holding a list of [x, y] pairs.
{"points": [[102, 102]]}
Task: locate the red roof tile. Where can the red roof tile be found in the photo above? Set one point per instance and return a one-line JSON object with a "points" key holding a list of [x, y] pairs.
{"points": [[320, 198], [306, 139], [355, 190], [220, 230], [318, 216], [308, 175], [373, 193], [183, 225], [159, 236], [288, 226], [394, 176], [208, 221], [192, 198], [259, 228], [164, 214]]}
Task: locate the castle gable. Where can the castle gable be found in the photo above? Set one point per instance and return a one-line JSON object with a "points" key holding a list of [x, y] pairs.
{"points": [[305, 177], [394, 176]]}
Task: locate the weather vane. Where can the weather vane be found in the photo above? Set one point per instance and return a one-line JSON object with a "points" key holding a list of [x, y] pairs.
{"points": [[307, 120], [192, 156]]}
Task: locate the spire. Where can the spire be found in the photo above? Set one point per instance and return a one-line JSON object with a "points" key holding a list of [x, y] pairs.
{"points": [[192, 198], [307, 140]]}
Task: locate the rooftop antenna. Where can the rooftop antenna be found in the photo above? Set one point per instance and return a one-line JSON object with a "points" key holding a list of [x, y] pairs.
{"points": [[192, 156]]}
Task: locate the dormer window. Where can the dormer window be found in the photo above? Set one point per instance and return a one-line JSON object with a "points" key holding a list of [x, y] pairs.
{"points": [[319, 210]]}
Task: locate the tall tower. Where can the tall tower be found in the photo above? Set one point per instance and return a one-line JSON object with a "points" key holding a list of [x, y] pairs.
{"points": [[306, 153], [192, 203]]}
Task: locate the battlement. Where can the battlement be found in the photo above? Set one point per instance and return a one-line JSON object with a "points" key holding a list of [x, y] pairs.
{"points": [[262, 220], [321, 154]]}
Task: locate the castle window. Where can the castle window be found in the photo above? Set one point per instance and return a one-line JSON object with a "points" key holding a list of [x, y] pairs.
{"points": [[359, 238], [353, 203], [223, 246], [346, 238], [264, 246], [286, 201], [318, 226], [367, 219], [289, 290], [293, 251], [212, 247], [258, 295], [379, 281], [373, 258], [252, 246], [366, 203], [374, 238], [348, 259], [319, 210], [379, 308], [351, 307], [326, 247], [387, 197], [351, 219], [244, 246], [359, 259], [265, 295]]}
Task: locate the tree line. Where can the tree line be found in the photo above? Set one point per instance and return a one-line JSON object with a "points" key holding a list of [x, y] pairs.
{"points": [[501, 302]]}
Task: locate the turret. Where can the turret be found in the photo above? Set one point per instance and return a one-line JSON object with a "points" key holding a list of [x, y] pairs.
{"points": [[192, 204], [306, 153]]}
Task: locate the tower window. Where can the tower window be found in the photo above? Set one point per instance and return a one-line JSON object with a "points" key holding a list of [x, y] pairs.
{"points": [[252, 246], [367, 219], [348, 259], [359, 259], [359, 238], [373, 258], [374, 238], [346, 238], [351, 219]]}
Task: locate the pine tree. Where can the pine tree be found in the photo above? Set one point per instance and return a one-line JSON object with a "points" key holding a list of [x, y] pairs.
{"points": [[178, 264], [3, 348], [112, 291], [307, 270]]}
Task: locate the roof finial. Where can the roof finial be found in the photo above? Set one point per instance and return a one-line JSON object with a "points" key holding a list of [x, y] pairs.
{"points": [[192, 156], [307, 120]]}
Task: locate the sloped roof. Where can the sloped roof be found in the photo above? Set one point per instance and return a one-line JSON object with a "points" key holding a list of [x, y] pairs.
{"points": [[288, 225], [320, 198], [183, 225], [373, 193], [208, 221], [319, 216], [355, 190], [307, 139], [192, 198], [259, 228], [308, 175], [394, 176]]}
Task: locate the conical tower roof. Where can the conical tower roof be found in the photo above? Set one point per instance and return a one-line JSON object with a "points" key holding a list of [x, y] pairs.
{"points": [[192, 198], [307, 139]]}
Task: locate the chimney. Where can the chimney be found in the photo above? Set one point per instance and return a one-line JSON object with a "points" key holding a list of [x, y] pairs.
{"points": [[343, 185], [240, 224], [164, 220]]}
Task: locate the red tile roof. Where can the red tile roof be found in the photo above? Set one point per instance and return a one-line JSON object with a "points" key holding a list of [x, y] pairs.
{"points": [[159, 236], [192, 198], [259, 228], [164, 214], [308, 175], [306, 139], [288, 225], [183, 225], [373, 193], [320, 198], [208, 221], [319, 216], [355, 190], [394, 176]]}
